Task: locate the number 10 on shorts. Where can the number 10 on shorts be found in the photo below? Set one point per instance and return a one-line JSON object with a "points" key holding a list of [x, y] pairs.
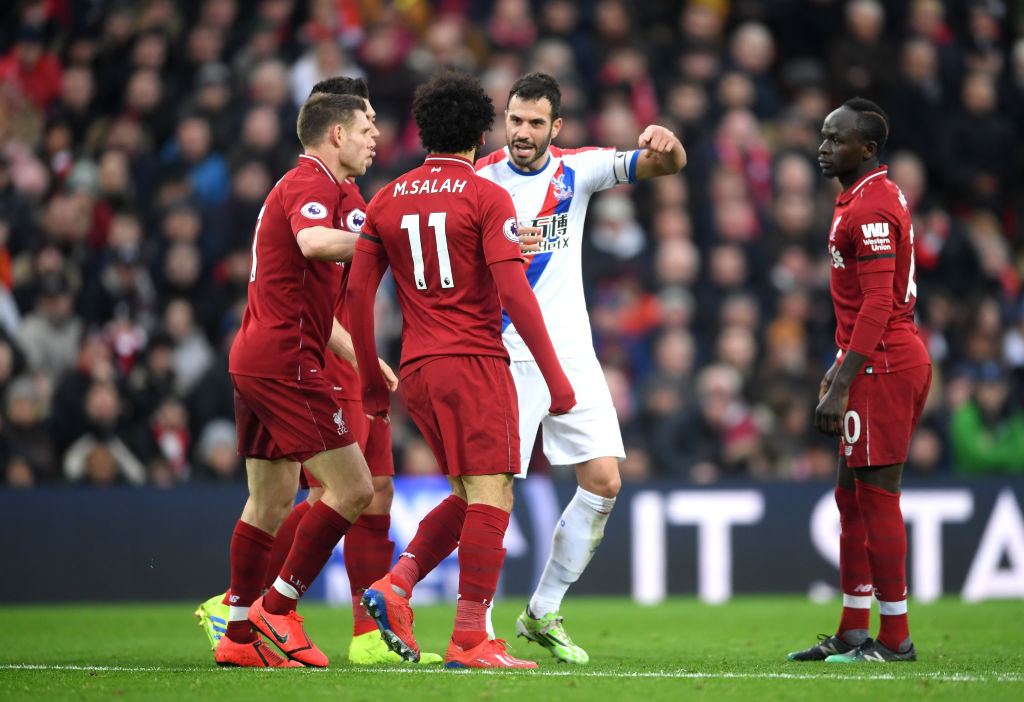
{"points": [[851, 429]]}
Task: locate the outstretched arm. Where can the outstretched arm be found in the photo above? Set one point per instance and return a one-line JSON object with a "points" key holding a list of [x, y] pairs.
{"points": [[521, 305], [364, 279], [662, 153]]}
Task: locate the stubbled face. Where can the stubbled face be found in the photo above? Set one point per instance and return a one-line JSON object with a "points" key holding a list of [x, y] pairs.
{"points": [[529, 130], [357, 147], [842, 148], [371, 114]]}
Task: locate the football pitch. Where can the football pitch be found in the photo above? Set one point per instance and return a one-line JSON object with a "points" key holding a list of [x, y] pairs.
{"points": [[678, 650]]}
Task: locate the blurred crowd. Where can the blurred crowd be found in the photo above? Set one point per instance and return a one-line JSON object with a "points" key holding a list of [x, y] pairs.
{"points": [[139, 139]]}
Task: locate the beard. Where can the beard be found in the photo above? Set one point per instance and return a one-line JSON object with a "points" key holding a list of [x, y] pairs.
{"points": [[540, 150]]}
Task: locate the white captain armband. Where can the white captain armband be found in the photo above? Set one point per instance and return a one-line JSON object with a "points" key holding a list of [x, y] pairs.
{"points": [[624, 166]]}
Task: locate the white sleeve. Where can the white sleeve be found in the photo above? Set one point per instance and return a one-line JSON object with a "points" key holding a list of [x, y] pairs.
{"points": [[601, 169]]}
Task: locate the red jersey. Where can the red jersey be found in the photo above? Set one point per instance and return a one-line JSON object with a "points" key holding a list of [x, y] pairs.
{"points": [[439, 227], [871, 233], [290, 312], [339, 371]]}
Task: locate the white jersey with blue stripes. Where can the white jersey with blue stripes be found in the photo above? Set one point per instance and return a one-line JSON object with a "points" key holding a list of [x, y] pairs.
{"points": [[555, 199]]}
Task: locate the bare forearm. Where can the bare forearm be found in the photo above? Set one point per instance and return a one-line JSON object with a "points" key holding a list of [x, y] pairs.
{"points": [[340, 343], [326, 244], [848, 369]]}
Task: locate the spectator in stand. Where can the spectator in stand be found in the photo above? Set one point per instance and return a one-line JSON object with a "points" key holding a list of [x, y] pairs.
{"points": [[207, 169], [716, 438], [34, 72], [979, 148], [50, 334], [986, 433], [28, 439], [217, 454], [860, 60]]}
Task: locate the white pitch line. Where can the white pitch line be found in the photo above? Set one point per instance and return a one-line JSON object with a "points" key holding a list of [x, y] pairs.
{"points": [[991, 676]]}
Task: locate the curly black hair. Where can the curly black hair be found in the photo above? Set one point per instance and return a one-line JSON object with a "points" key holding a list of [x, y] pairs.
{"points": [[872, 122], [343, 85], [452, 111]]}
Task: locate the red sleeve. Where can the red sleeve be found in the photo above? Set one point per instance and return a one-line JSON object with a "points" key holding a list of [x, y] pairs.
{"points": [[352, 208], [498, 226], [311, 205], [875, 310], [874, 241], [521, 305], [367, 270]]}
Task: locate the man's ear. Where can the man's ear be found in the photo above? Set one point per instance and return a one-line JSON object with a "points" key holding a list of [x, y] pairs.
{"points": [[556, 127], [338, 135], [870, 150]]}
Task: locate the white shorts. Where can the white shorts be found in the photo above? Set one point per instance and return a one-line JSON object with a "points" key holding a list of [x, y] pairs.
{"points": [[590, 430]]}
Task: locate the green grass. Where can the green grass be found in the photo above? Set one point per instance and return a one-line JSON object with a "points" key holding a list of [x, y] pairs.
{"points": [[679, 650]]}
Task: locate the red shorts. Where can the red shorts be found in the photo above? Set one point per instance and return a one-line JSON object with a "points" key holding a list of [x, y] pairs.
{"points": [[882, 413], [278, 419], [374, 441], [466, 408]]}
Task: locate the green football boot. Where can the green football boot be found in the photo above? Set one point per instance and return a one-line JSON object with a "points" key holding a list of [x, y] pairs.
{"points": [[213, 618], [549, 632], [370, 649]]}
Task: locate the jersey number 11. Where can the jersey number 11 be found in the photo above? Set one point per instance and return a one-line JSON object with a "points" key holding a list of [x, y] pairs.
{"points": [[435, 220]]}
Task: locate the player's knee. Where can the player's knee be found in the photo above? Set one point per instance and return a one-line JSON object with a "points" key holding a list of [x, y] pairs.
{"points": [[270, 514], [383, 496], [383, 488], [605, 484], [361, 494]]}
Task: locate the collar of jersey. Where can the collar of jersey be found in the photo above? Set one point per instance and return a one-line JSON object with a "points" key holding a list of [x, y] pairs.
{"points": [[848, 194], [529, 173], [449, 157], [315, 162]]}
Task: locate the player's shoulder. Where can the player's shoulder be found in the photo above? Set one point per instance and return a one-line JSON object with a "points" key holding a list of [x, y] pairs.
{"points": [[350, 190], [583, 154], [582, 151], [879, 195], [491, 160], [488, 189], [308, 178]]}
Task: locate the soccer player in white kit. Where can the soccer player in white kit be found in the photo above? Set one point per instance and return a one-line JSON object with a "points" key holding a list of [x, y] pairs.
{"points": [[551, 188]]}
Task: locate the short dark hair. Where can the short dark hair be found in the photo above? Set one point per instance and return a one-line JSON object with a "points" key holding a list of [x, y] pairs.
{"points": [[534, 86], [324, 110], [872, 122], [342, 85], [452, 110]]}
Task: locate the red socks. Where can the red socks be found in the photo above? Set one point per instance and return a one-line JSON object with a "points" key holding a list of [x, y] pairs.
{"points": [[368, 554], [316, 536], [283, 542], [887, 552], [250, 551], [436, 537], [854, 569], [480, 559]]}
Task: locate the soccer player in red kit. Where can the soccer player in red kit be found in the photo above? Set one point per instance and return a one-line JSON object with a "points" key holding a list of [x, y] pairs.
{"points": [[367, 548], [450, 238], [873, 394], [286, 411]]}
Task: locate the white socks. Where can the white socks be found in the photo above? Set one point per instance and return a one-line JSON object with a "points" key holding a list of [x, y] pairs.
{"points": [[576, 538], [285, 589]]}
